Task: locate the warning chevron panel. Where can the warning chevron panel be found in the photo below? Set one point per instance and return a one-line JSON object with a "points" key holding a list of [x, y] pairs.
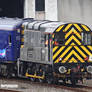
{"points": [[72, 49]]}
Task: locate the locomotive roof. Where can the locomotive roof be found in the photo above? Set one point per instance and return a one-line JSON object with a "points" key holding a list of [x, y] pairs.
{"points": [[44, 26], [9, 23]]}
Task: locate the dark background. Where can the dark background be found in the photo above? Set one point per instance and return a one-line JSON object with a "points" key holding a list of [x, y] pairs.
{"points": [[12, 8], [40, 5]]}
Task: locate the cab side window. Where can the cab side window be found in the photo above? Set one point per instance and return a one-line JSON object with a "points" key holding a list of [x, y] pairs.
{"points": [[48, 40], [86, 38], [43, 39], [9, 39]]}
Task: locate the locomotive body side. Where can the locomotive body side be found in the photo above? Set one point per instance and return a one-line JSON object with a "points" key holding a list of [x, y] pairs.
{"points": [[66, 49], [36, 55]]}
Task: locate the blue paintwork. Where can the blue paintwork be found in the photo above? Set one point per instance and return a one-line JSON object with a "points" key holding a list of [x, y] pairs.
{"points": [[11, 50]]}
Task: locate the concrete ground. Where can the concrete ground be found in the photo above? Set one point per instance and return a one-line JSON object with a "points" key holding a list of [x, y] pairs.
{"points": [[32, 87]]}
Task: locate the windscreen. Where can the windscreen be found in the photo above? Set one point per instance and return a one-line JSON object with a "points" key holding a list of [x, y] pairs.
{"points": [[59, 38]]}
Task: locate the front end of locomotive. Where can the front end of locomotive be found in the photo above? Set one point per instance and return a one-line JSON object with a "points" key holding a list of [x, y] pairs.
{"points": [[72, 52]]}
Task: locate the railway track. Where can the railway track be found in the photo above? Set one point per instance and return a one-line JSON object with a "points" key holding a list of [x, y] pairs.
{"points": [[68, 87], [5, 90], [77, 88]]}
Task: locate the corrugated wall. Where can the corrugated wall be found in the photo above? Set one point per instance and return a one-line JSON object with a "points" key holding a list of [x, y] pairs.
{"points": [[51, 10], [75, 11], [29, 9]]}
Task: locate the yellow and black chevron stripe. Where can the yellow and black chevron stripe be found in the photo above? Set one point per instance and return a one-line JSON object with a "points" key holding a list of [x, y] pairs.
{"points": [[73, 51], [22, 37]]}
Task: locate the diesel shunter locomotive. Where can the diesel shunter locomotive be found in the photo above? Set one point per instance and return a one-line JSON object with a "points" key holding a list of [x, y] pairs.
{"points": [[45, 50]]}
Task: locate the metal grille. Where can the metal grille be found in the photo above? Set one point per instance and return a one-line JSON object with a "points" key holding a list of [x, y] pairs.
{"points": [[30, 53], [32, 39]]}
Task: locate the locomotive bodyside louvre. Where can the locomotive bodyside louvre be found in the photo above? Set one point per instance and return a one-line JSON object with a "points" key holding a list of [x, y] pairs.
{"points": [[76, 47]]}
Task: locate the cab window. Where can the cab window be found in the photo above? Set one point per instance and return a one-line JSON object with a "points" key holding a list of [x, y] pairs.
{"points": [[59, 38], [86, 38]]}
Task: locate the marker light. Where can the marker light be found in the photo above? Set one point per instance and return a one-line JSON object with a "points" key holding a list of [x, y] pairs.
{"points": [[86, 59]]}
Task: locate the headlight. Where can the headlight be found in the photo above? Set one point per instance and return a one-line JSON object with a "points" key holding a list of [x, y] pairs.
{"points": [[62, 69], [89, 69], [43, 51]]}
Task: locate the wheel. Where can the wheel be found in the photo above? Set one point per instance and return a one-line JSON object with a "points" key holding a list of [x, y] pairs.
{"points": [[41, 80], [64, 81], [55, 81], [7, 74], [32, 79], [49, 80], [73, 81]]}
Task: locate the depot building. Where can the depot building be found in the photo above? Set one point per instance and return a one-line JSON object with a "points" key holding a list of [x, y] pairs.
{"points": [[62, 10]]}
